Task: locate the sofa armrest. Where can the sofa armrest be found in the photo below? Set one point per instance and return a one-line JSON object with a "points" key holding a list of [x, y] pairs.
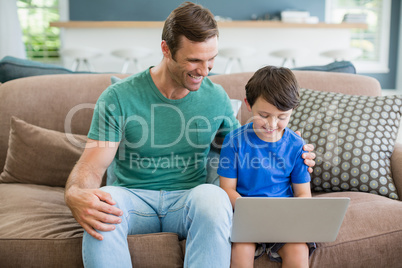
{"points": [[396, 166]]}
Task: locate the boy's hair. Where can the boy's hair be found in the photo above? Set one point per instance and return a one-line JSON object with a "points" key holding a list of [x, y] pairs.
{"points": [[193, 21], [276, 85]]}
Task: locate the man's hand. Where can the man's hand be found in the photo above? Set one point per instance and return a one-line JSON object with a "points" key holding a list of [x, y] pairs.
{"points": [[93, 209], [308, 157]]}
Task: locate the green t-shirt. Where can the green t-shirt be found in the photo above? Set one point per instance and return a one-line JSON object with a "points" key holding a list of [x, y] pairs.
{"points": [[163, 143]]}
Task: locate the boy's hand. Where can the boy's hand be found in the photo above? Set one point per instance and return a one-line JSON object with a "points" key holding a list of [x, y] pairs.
{"points": [[308, 157]]}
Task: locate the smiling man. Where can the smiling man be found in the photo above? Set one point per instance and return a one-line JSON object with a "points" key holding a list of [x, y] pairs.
{"points": [[155, 129], [184, 71]]}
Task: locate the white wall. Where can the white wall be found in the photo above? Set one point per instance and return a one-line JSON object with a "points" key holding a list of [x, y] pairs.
{"points": [[11, 43]]}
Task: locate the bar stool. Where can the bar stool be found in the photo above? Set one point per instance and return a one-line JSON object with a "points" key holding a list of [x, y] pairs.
{"points": [[234, 54], [342, 54], [133, 54], [81, 55], [287, 54]]}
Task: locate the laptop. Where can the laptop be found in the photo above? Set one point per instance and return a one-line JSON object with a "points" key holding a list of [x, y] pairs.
{"points": [[263, 219]]}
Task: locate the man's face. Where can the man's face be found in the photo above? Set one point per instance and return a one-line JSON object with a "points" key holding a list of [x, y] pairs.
{"points": [[192, 62]]}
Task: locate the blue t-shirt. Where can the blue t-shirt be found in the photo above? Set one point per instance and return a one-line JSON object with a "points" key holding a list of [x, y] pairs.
{"points": [[262, 168]]}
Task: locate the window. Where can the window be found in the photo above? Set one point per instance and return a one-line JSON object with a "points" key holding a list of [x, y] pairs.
{"points": [[374, 41], [42, 42]]}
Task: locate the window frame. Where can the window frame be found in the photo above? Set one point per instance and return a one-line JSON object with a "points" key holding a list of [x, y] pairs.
{"points": [[382, 64], [62, 10]]}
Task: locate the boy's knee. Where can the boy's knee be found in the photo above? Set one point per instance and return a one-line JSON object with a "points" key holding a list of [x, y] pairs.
{"points": [[294, 252], [243, 254]]}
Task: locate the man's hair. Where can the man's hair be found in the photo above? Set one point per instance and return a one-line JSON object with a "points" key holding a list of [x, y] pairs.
{"points": [[193, 21], [276, 85]]}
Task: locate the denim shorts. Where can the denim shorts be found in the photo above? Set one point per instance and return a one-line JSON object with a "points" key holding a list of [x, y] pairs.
{"points": [[272, 250]]}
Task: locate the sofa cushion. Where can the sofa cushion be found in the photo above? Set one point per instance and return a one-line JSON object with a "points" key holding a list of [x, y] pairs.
{"points": [[36, 223], [40, 156], [354, 137], [30, 211], [369, 236]]}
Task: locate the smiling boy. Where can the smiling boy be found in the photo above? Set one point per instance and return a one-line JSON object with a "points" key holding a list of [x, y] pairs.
{"points": [[263, 158]]}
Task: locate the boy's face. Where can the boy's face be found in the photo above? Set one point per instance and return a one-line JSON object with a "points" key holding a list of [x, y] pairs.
{"points": [[269, 122]]}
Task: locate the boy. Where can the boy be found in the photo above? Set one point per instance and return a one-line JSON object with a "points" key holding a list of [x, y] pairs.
{"points": [[263, 158]]}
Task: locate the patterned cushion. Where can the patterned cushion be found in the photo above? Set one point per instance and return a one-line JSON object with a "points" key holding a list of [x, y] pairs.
{"points": [[354, 138]]}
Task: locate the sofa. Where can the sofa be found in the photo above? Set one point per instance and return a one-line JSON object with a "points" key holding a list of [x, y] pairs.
{"points": [[44, 120]]}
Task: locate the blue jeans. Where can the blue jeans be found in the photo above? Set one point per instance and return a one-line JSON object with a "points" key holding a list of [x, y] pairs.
{"points": [[202, 215]]}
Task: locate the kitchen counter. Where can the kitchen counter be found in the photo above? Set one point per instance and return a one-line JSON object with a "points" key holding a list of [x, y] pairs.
{"points": [[263, 36], [221, 24]]}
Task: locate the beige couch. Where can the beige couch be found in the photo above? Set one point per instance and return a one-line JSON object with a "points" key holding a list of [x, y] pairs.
{"points": [[38, 230]]}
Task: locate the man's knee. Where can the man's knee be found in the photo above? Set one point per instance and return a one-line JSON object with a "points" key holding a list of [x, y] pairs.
{"points": [[113, 190], [117, 194], [211, 200], [210, 194]]}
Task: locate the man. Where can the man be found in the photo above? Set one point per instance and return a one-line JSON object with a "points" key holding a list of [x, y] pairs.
{"points": [[155, 128]]}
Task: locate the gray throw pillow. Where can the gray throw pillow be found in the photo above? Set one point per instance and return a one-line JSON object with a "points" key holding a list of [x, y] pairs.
{"points": [[354, 137]]}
